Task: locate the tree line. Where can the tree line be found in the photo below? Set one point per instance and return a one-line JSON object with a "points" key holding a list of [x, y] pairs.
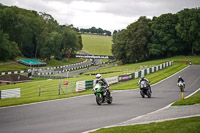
{"points": [[34, 35], [95, 30], [164, 36]]}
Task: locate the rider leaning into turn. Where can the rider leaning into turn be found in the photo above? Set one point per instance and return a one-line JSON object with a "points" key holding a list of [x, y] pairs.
{"points": [[144, 79], [106, 86], [181, 80]]}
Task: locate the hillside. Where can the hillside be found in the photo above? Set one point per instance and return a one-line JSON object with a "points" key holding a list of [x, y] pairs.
{"points": [[97, 45]]}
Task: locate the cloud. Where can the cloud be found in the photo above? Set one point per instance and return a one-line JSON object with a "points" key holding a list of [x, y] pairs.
{"points": [[107, 14]]}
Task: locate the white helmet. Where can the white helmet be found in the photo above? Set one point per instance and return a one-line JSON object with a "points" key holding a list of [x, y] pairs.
{"points": [[179, 76], [98, 76]]}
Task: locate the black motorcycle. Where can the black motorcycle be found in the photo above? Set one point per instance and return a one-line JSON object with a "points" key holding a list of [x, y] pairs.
{"points": [[144, 89]]}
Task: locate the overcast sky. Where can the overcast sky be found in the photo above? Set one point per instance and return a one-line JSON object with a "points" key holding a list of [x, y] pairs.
{"points": [[107, 14]]}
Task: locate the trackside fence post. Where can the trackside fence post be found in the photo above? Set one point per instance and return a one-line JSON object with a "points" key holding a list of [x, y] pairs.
{"points": [[59, 89], [39, 90]]}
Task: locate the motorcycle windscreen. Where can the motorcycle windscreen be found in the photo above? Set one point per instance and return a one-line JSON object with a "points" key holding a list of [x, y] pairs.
{"points": [[97, 86]]}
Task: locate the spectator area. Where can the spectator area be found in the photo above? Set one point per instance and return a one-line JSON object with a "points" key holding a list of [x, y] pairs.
{"points": [[32, 62]]}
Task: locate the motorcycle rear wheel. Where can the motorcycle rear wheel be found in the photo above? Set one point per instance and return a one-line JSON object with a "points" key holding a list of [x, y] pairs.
{"points": [[182, 89], [109, 101]]}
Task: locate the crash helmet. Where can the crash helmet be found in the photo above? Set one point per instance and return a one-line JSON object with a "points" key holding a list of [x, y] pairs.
{"points": [[179, 76], [142, 77], [98, 76]]}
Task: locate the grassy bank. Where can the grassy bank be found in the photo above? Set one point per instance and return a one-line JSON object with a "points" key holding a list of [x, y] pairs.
{"points": [[96, 44], [185, 125]]}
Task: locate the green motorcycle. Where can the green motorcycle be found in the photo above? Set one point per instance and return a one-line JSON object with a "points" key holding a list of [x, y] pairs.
{"points": [[101, 95]]}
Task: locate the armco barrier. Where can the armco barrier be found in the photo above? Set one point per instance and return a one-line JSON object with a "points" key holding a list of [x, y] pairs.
{"points": [[112, 80], [83, 85], [136, 75], [10, 93], [125, 77], [89, 84], [80, 86]]}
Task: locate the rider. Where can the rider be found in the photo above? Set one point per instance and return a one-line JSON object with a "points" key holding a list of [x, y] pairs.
{"points": [[144, 79], [106, 86], [181, 80]]}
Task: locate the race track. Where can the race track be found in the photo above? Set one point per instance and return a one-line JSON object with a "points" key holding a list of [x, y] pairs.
{"points": [[82, 113]]}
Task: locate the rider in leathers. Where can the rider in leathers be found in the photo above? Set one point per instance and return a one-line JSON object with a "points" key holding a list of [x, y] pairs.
{"points": [[147, 81], [106, 86], [181, 80]]}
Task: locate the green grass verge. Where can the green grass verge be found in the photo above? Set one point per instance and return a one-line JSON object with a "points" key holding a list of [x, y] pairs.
{"points": [[96, 44], [189, 101], [186, 125]]}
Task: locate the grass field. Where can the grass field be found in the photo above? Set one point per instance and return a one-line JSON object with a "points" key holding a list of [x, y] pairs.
{"points": [[96, 44], [186, 125], [30, 90]]}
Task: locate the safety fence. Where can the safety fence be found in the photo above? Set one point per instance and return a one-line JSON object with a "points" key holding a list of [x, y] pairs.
{"points": [[63, 87], [10, 93], [84, 85], [51, 70]]}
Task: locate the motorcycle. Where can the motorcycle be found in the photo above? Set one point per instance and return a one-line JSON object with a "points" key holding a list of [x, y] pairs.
{"points": [[181, 86], [101, 95], [144, 89]]}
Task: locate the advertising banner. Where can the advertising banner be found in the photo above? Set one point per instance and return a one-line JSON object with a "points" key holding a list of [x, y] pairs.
{"points": [[124, 77]]}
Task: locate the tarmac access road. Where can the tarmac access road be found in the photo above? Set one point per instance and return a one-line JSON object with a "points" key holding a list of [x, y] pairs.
{"points": [[79, 114]]}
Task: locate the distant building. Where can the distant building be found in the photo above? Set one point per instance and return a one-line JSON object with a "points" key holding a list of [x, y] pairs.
{"points": [[13, 79]]}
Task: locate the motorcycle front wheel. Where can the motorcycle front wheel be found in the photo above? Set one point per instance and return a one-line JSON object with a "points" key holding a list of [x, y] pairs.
{"points": [[99, 99], [149, 94], [142, 94]]}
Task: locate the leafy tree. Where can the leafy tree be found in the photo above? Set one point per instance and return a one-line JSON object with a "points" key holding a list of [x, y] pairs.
{"points": [[8, 50], [138, 37], [188, 28], [118, 46], [94, 30], [71, 41], [132, 42], [114, 32], [52, 45], [164, 41]]}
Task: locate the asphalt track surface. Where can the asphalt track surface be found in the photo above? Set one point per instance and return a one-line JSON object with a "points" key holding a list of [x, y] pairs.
{"points": [[82, 113]]}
